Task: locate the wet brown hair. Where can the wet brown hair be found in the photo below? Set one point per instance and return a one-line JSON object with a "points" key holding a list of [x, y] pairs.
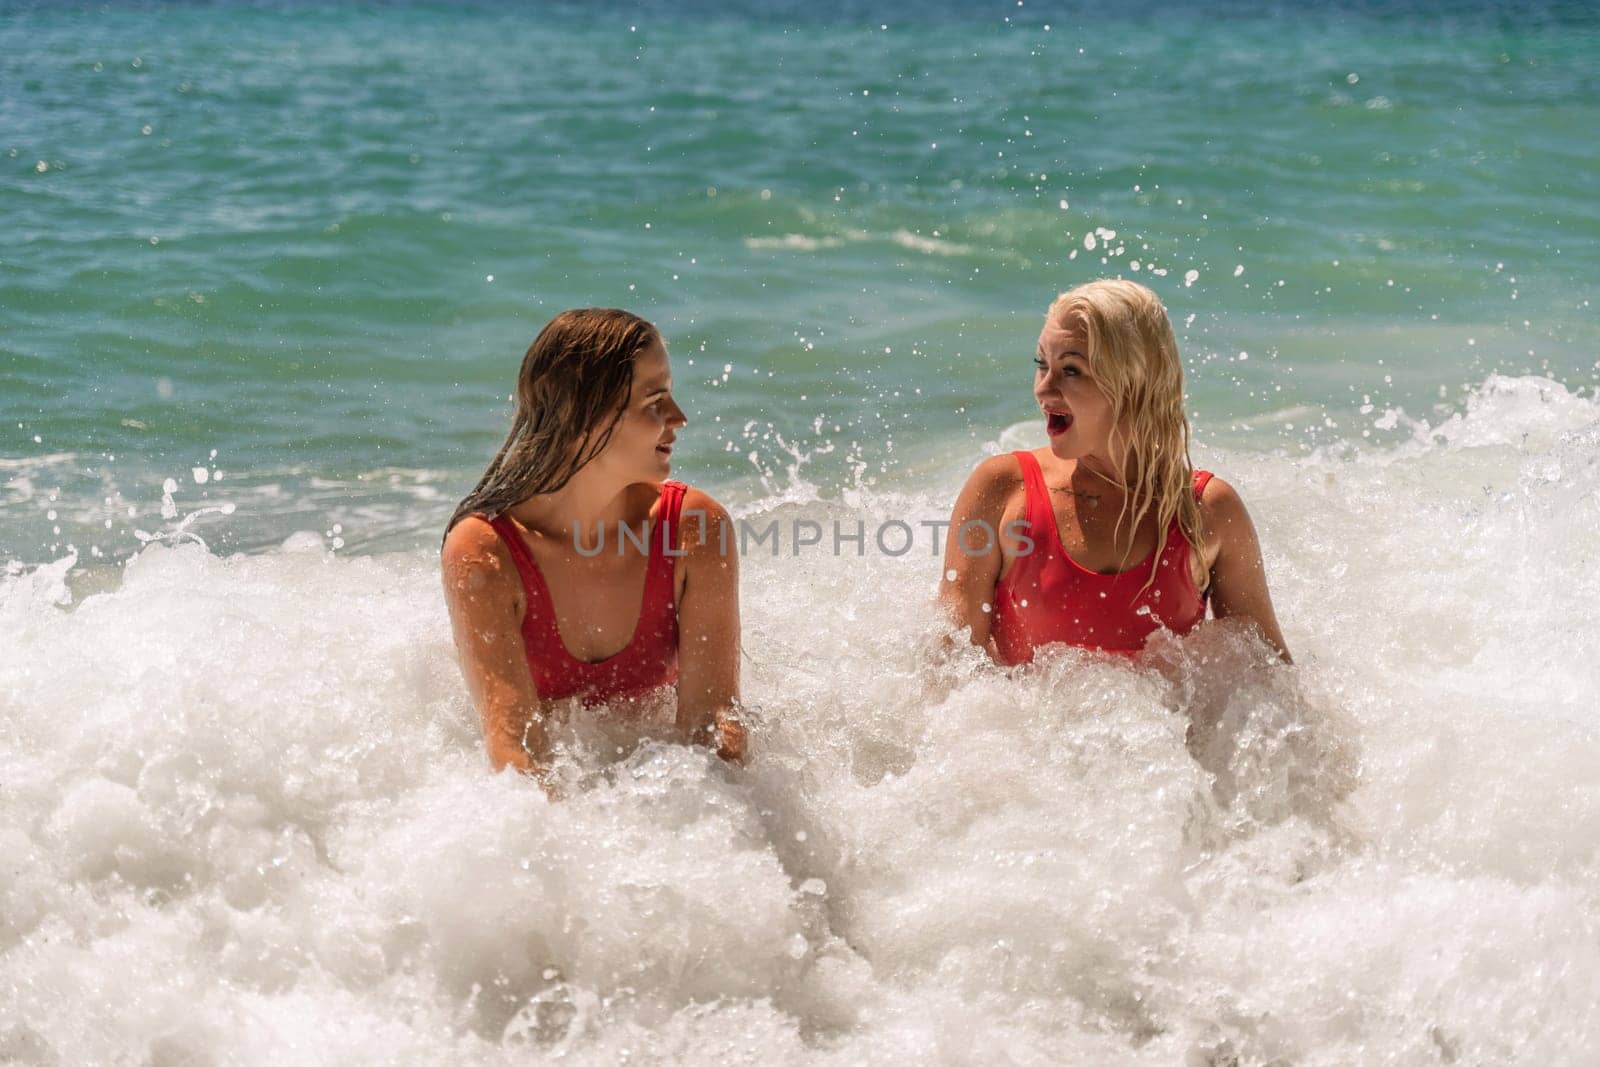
{"points": [[571, 391]]}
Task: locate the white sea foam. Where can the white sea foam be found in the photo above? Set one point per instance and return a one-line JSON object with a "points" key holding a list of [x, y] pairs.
{"points": [[37, 463], [932, 246], [247, 816], [798, 242], [914, 242]]}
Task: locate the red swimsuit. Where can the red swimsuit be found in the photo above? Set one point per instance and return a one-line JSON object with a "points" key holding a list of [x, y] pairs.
{"points": [[650, 659], [1049, 597]]}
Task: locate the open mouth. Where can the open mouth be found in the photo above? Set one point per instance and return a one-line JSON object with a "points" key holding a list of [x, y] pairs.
{"points": [[665, 450], [1056, 422]]}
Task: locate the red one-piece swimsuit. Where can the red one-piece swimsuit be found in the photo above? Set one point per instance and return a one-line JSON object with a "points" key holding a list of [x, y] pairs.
{"points": [[650, 659], [1048, 597]]}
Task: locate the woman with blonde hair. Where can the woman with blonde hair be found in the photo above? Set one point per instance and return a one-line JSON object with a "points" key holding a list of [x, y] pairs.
{"points": [[1106, 534], [577, 570]]}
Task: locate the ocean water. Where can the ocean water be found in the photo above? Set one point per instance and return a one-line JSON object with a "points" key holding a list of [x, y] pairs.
{"points": [[269, 271]]}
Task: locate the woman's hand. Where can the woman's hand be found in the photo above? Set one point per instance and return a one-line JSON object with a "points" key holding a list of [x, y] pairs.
{"points": [[729, 736]]}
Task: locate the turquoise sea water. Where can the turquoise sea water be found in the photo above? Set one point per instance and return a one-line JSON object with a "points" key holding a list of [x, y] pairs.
{"points": [[314, 240], [266, 273]]}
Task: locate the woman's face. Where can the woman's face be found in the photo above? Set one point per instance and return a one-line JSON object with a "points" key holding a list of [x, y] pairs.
{"points": [[1077, 414], [640, 449]]}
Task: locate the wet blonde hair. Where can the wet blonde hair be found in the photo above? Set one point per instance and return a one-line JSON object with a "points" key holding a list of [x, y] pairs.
{"points": [[1133, 355]]}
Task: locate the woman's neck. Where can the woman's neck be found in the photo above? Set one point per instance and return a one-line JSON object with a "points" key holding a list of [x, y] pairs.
{"points": [[1093, 476], [585, 505]]}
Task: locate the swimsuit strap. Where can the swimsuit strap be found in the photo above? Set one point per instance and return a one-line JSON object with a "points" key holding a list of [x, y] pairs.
{"points": [[538, 606], [513, 542], [659, 585], [1036, 507], [1201, 480], [671, 507]]}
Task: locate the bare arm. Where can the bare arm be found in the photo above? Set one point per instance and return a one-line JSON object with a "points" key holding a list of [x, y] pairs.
{"points": [[1238, 577], [484, 595], [708, 629], [976, 559]]}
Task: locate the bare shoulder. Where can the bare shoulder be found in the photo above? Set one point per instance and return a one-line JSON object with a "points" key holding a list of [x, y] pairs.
{"points": [[998, 472], [992, 484], [700, 500], [474, 559], [706, 525], [1225, 522], [1220, 504]]}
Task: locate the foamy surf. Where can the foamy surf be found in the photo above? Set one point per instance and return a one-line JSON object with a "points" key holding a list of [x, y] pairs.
{"points": [[249, 820]]}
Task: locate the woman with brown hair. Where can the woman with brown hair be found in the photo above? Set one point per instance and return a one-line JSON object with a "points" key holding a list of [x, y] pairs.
{"points": [[577, 569], [1107, 533]]}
